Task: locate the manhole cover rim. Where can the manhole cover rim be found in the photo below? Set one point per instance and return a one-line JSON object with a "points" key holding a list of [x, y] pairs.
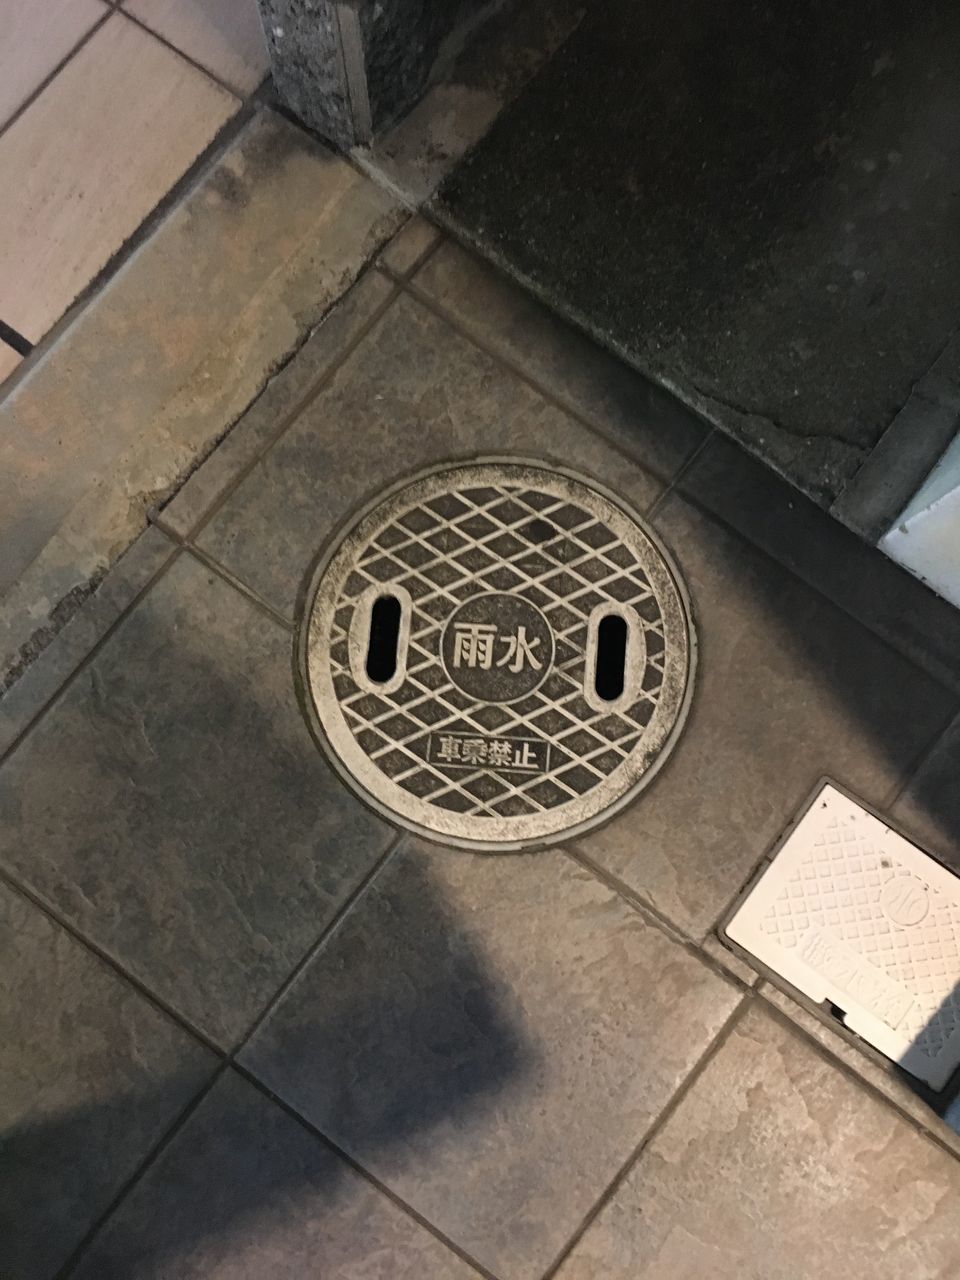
{"points": [[346, 534]]}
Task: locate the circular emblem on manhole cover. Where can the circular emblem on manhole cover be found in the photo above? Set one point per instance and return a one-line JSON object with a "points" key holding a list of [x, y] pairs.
{"points": [[497, 648], [496, 653]]}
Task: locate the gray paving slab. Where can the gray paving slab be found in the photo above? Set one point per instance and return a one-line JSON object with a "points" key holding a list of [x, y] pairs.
{"points": [[245, 1191], [817, 548], [91, 1076], [634, 412], [491, 1037], [174, 808], [412, 394], [928, 811], [777, 1165]]}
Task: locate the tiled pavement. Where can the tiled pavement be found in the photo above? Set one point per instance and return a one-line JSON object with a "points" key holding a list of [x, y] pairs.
{"points": [[253, 1031]]}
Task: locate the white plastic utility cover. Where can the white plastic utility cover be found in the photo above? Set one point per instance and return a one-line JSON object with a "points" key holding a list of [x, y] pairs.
{"points": [[852, 913]]}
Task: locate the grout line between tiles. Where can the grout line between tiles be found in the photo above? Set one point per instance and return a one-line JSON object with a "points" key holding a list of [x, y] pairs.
{"points": [[668, 1110], [363, 1172], [90, 655], [10, 337], [400, 278], [149, 1160], [294, 412], [330, 929], [551, 397], [227, 1059], [35, 93], [651, 916], [167, 44], [224, 574], [686, 466], [575, 852], [14, 882]]}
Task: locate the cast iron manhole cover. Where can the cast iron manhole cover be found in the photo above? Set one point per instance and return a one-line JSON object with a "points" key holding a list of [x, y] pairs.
{"points": [[497, 653]]}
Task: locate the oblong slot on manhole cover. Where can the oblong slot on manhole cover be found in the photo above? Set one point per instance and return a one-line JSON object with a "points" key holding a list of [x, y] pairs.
{"points": [[496, 653]]}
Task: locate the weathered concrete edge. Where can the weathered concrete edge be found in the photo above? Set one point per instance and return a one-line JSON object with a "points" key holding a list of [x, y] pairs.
{"points": [[907, 452], [68, 640], [106, 521]]}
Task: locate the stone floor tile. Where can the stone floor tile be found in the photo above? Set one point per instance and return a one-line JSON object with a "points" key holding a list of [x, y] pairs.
{"points": [[35, 39], [91, 1075], [788, 689], [413, 393], [139, 115], [173, 806], [279, 398], [228, 286], [244, 1192], [638, 415], [225, 36], [937, 1114], [491, 1037], [769, 512], [777, 1166], [410, 245], [928, 811]]}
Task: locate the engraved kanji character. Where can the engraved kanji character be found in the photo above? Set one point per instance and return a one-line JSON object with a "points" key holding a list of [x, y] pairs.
{"points": [[519, 651], [525, 757], [449, 749], [500, 753], [473, 644], [473, 751]]}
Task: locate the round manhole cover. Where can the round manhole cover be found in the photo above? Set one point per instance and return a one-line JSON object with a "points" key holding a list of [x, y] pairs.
{"points": [[497, 653]]}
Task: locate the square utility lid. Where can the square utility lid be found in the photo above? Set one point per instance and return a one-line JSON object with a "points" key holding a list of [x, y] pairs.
{"points": [[852, 913]]}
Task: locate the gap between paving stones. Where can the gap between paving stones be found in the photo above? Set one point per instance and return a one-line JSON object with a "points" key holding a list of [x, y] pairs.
{"points": [[227, 1058], [719, 1040]]}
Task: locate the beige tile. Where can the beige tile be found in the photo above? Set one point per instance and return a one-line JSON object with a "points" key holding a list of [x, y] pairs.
{"points": [[9, 360], [491, 1037], [225, 36], [35, 38], [94, 153], [778, 1166], [168, 356]]}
